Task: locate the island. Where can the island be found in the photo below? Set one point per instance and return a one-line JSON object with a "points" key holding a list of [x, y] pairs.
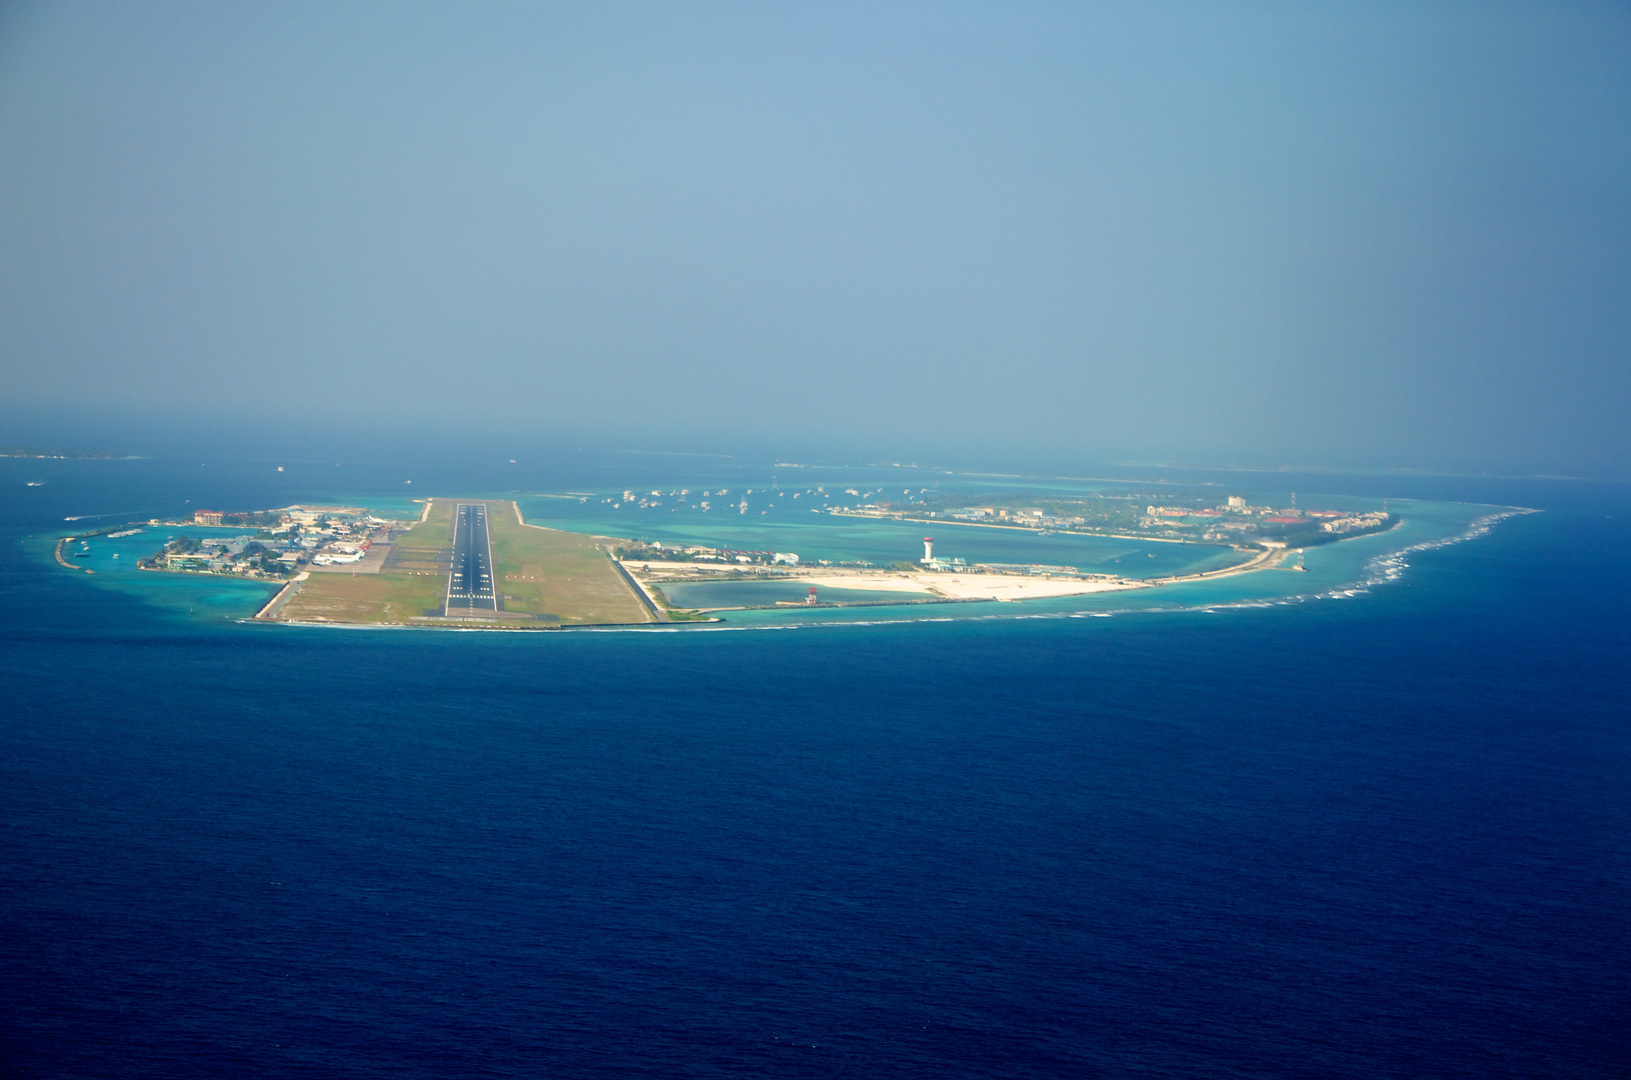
{"points": [[60, 454], [1132, 516], [477, 563]]}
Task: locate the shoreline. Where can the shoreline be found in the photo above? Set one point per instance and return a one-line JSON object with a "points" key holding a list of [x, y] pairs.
{"points": [[657, 611], [270, 609], [60, 544], [1270, 558]]}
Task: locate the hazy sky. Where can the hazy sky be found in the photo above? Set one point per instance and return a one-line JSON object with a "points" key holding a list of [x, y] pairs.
{"points": [[1315, 233]]}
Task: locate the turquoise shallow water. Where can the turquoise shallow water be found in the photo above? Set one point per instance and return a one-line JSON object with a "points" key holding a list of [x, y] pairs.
{"points": [[203, 596], [822, 536]]}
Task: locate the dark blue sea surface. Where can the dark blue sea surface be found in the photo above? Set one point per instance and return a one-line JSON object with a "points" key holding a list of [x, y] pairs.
{"points": [[1385, 836]]}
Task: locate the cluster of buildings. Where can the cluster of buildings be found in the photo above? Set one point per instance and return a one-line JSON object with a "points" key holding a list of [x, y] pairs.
{"points": [[1235, 507], [697, 553], [1237, 516], [1029, 518], [240, 555], [297, 515], [1354, 522], [215, 555], [820, 500], [284, 539]]}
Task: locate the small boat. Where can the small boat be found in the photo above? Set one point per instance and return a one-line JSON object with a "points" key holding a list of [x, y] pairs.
{"points": [[36, 483]]}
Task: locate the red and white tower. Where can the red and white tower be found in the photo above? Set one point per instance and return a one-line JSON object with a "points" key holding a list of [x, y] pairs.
{"points": [[928, 549]]}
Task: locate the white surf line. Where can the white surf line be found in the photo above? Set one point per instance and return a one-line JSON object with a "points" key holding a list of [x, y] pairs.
{"points": [[1386, 568]]}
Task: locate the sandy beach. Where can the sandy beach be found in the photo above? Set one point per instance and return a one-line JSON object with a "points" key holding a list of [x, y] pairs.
{"points": [[958, 586], [949, 586]]}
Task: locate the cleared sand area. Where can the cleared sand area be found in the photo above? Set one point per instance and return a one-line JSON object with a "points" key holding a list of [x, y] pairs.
{"points": [[957, 586], [945, 585], [545, 577]]}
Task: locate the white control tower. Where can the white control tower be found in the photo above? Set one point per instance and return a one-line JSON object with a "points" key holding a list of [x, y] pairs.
{"points": [[928, 549]]}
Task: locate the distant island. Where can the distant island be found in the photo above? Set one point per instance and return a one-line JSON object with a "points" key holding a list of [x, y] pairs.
{"points": [[1132, 516], [39, 452], [1234, 522]]}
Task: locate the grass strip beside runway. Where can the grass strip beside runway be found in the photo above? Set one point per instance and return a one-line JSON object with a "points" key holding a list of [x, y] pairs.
{"points": [[564, 574], [545, 577]]}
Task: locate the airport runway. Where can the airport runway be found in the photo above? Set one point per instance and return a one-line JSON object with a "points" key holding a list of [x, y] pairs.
{"points": [[470, 583]]}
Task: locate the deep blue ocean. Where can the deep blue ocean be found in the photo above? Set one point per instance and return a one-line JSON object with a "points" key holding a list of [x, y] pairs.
{"points": [[1387, 836]]}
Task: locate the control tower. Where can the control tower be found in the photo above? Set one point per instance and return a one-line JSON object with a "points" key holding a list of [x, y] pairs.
{"points": [[928, 549]]}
